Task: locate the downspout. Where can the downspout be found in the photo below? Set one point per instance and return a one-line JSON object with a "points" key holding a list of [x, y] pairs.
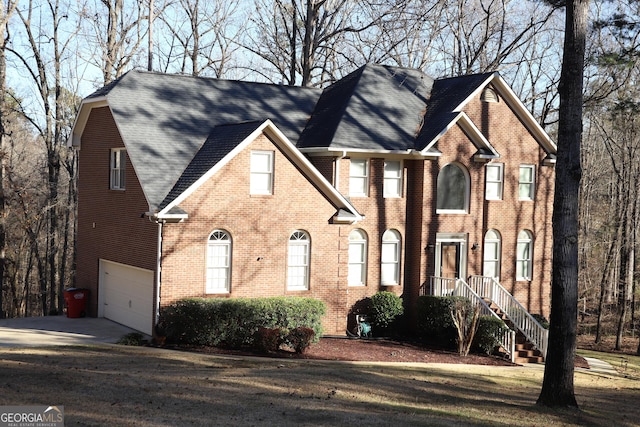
{"points": [[336, 180], [158, 273]]}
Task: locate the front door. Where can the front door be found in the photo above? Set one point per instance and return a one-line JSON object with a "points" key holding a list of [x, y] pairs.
{"points": [[451, 255], [450, 260]]}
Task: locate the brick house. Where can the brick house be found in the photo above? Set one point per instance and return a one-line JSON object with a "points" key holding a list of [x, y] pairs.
{"points": [[386, 180]]}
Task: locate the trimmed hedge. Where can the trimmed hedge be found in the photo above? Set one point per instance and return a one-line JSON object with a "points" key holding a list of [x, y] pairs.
{"points": [[487, 338], [234, 322], [385, 308]]}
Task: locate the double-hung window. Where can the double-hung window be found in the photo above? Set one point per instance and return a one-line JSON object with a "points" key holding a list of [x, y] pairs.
{"points": [[390, 258], [261, 172], [524, 256], [392, 178], [357, 258], [298, 268], [493, 181], [526, 184], [453, 189], [359, 178], [117, 168], [491, 257], [218, 262]]}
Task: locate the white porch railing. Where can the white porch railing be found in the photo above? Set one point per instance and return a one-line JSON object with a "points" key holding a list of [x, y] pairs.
{"points": [[442, 286], [489, 288]]}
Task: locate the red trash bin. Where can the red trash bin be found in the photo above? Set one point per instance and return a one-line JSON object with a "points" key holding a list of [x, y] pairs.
{"points": [[76, 300]]}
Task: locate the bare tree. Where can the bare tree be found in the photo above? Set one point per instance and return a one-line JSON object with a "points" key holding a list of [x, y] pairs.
{"points": [[200, 36], [557, 386], [117, 37], [6, 10]]}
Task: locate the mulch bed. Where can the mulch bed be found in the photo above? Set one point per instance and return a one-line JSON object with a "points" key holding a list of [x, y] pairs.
{"points": [[371, 350]]}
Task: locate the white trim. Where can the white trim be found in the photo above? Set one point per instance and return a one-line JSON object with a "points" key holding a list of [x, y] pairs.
{"points": [[506, 93], [294, 155], [83, 117], [463, 240], [472, 132]]}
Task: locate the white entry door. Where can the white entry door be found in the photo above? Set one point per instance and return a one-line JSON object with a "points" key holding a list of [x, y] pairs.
{"points": [[126, 295]]}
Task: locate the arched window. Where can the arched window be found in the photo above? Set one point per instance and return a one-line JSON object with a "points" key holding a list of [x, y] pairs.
{"points": [[357, 258], [218, 262], [453, 189], [492, 254], [298, 262], [390, 258], [524, 255]]}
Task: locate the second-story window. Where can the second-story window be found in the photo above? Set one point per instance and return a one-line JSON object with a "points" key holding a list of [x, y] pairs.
{"points": [[261, 172], [526, 184], [117, 168], [392, 178], [453, 189], [359, 178], [493, 181]]}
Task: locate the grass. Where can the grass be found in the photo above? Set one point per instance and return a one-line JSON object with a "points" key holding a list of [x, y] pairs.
{"points": [[628, 366], [124, 385]]}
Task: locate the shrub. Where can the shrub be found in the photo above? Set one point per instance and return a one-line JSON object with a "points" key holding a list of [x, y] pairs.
{"points": [[434, 322], [267, 340], [490, 329], [234, 322], [300, 338], [465, 318], [385, 307]]}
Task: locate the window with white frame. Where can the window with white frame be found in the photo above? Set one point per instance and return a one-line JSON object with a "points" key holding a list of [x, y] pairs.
{"points": [[218, 262], [526, 183], [392, 178], [390, 258], [494, 177], [117, 168], [261, 172], [452, 189], [492, 254], [524, 255], [357, 258], [359, 178], [298, 261]]}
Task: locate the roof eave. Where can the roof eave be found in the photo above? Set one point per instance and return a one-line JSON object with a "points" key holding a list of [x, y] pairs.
{"points": [[82, 117]]}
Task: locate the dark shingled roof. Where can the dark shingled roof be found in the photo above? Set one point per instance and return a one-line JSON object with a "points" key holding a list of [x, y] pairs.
{"points": [[222, 140], [446, 95], [374, 108], [175, 127], [164, 119]]}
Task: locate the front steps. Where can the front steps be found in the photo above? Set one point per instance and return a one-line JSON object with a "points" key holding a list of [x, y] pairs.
{"points": [[525, 351]]}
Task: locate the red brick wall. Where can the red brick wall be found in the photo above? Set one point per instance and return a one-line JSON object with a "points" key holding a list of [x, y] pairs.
{"points": [[110, 225], [260, 227]]}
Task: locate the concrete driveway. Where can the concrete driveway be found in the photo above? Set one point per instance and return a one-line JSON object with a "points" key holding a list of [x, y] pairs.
{"points": [[59, 330]]}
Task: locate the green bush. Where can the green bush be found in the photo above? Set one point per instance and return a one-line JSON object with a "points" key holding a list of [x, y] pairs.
{"points": [[300, 338], [385, 307], [434, 322], [234, 322], [133, 338], [490, 329]]}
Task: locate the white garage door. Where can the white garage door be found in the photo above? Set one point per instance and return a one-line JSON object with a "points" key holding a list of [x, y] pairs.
{"points": [[126, 295]]}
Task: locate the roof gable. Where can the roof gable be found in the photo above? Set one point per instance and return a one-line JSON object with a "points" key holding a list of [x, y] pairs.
{"points": [[164, 119], [224, 143]]}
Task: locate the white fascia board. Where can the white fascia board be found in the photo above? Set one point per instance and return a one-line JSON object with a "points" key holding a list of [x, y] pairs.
{"points": [[469, 128], [206, 176], [280, 140], [512, 100], [82, 117], [295, 155], [361, 152]]}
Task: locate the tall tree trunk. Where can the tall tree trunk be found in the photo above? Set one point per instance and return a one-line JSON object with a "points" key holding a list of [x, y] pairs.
{"points": [[3, 111], [557, 386]]}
